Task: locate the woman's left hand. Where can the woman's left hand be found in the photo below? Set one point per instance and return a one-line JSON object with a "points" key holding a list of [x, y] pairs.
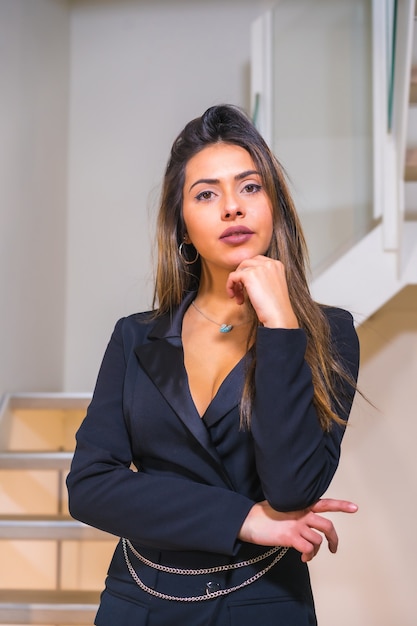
{"points": [[263, 281], [302, 530]]}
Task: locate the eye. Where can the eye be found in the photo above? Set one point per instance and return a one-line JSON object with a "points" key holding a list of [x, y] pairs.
{"points": [[252, 188], [204, 195]]}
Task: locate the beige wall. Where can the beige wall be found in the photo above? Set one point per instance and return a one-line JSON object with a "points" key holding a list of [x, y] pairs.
{"points": [[371, 581]]}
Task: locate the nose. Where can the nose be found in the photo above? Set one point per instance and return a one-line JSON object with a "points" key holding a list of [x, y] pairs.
{"points": [[231, 207]]}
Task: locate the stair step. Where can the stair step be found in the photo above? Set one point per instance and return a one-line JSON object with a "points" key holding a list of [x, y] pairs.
{"points": [[35, 460], [48, 607], [52, 527], [410, 174], [413, 86], [42, 400]]}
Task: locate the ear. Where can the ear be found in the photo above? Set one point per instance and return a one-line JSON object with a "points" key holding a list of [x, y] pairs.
{"points": [[186, 238]]}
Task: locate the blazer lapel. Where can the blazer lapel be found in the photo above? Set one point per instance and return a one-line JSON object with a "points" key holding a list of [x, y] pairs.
{"points": [[162, 359]]}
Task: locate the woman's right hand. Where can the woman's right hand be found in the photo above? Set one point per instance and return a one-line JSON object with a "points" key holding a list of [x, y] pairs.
{"points": [[302, 530]]}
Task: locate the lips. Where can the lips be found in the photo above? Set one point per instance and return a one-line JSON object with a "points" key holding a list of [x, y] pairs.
{"points": [[233, 231], [236, 235]]}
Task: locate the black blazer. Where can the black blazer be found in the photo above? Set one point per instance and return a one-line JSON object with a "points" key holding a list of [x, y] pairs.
{"points": [[198, 477]]}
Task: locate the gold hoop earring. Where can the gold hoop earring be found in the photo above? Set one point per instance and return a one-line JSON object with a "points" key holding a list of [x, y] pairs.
{"points": [[182, 257]]}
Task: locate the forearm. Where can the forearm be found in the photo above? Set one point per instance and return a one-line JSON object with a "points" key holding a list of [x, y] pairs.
{"points": [[157, 511], [295, 458]]}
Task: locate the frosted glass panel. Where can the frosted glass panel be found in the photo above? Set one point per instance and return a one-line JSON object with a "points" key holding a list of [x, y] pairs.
{"points": [[322, 124]]}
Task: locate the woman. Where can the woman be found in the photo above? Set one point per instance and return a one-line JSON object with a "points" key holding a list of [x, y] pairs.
{"points": [[229, 399]]}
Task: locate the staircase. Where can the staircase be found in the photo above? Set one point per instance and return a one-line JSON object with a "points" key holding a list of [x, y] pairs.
{"points": [[410, 170], [385, 260], [55, 565]]}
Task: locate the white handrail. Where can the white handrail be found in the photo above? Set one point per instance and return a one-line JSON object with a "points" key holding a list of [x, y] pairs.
{"points": [[389, 144], [379, 103]]}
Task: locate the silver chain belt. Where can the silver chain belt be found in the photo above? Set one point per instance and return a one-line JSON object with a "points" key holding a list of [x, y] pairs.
{"points": [[279, 551]]}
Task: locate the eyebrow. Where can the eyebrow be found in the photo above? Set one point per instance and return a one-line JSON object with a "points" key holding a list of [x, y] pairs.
{"points": [[216, 181]]}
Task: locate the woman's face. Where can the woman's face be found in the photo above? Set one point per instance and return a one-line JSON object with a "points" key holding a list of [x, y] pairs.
{"points": [[227, 213]]}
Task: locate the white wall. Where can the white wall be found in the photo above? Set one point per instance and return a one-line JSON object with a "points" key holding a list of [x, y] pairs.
{"points": [[34, 55], [140, 70], [322, 126], [131, 73]]}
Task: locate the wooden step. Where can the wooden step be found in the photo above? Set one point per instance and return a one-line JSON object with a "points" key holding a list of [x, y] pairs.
{"points": [[413, 86], [410, 174], [35, 460], [49, 527], [33, 400], [48, 607]]}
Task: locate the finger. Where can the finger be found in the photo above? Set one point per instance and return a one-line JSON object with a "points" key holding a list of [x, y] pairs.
{"points": [[314, 539], [308, 556], [234, 288], [305, 540], [326, 527], [327, 505], [308, 544], [238, 292]]}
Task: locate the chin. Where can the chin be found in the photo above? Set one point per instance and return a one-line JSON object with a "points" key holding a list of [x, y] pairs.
{"points": [[244, 255]]}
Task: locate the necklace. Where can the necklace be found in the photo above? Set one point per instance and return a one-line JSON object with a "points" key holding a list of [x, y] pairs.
{"points": [[224, 328]]}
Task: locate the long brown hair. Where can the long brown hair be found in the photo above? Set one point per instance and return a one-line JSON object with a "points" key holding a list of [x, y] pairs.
{"points": [[174, 278]]}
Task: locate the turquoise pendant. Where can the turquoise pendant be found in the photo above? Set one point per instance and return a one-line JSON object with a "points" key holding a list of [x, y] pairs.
{"points": [[226, 328]]}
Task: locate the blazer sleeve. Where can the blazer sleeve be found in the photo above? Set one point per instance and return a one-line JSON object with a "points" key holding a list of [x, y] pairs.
{"points": [[155, 511], [295, 458]]}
